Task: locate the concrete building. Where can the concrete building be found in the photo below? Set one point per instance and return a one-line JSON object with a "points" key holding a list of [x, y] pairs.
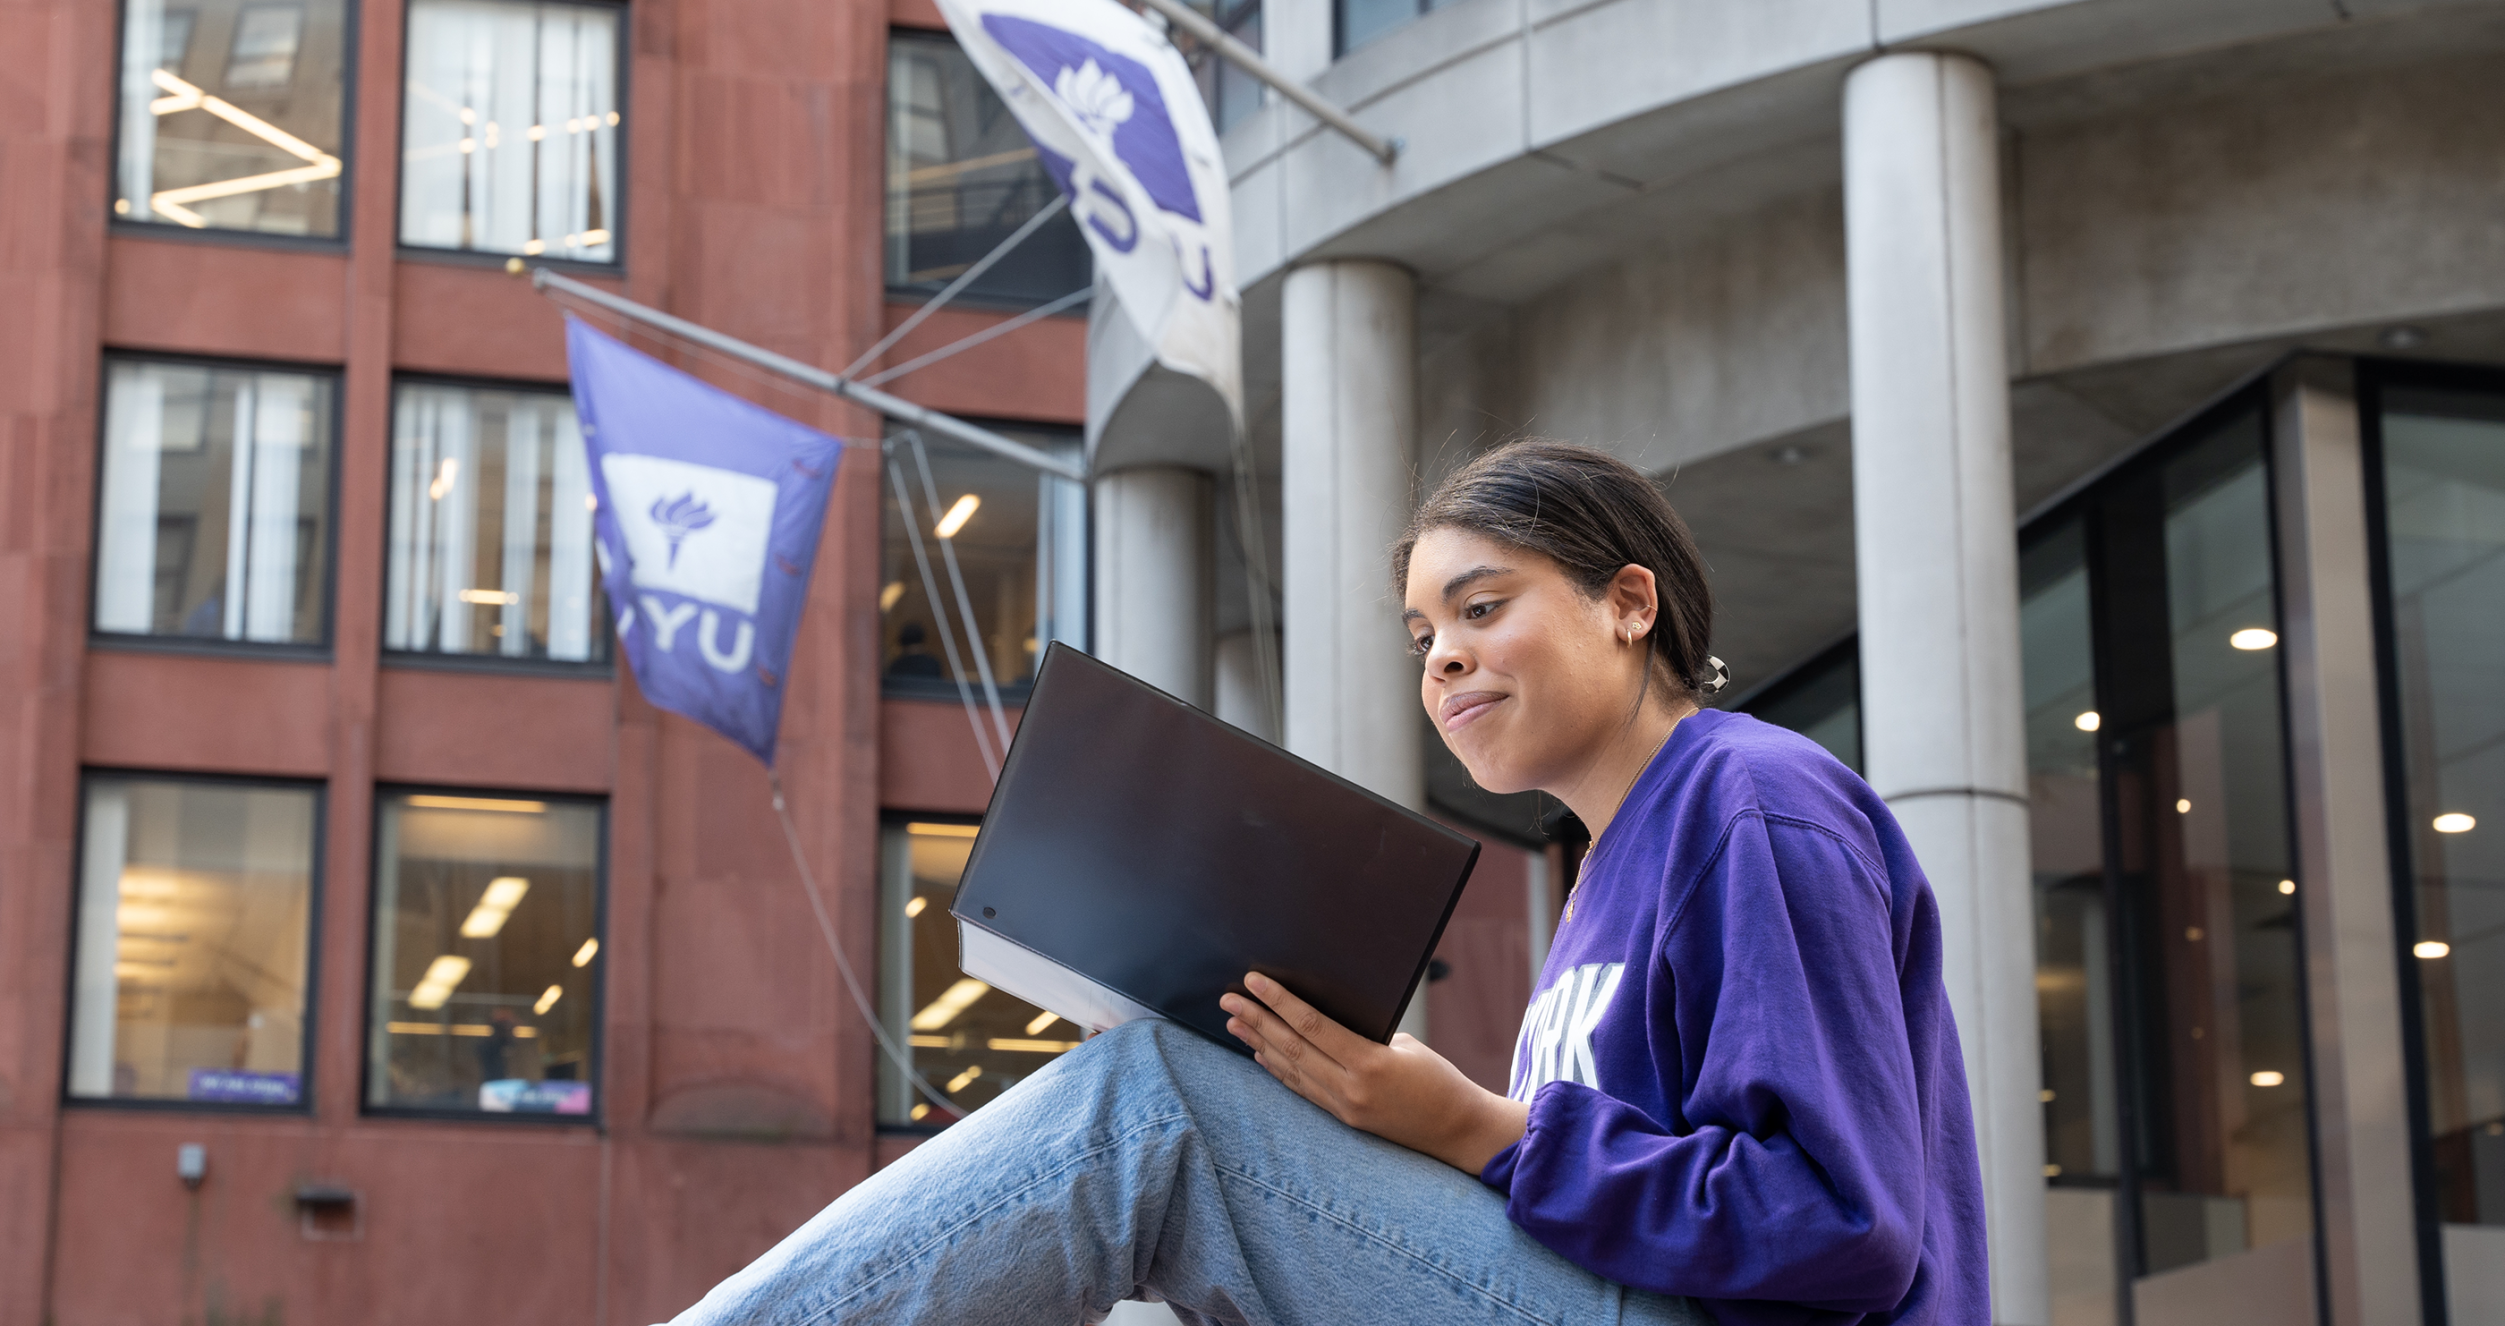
{"points": [[2081, 405]]}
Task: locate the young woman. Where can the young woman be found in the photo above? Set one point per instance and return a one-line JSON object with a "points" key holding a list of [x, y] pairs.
{"points": [[1737, 1096]]}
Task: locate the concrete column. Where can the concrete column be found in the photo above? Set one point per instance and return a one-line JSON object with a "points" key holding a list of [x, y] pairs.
{"points": [[2344, 867], [1936, 541], [1348, 421], [1239, 687], [1155, 559]]}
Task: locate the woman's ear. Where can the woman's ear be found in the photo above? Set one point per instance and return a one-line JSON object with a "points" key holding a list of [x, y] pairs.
{"points": [[1633, 597]]}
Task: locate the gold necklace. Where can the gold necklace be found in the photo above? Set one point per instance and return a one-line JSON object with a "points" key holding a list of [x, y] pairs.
{"points": [[1594, 849]]}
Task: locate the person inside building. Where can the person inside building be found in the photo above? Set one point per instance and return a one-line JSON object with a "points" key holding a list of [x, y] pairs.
{"points": [[1737, 1096], [913, 659]]}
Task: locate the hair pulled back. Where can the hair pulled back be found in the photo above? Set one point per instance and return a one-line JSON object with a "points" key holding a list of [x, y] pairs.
{"points": [[1593, 515]]}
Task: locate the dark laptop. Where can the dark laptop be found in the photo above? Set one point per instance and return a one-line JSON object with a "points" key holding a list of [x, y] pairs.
{"points": [[1139, 856]]}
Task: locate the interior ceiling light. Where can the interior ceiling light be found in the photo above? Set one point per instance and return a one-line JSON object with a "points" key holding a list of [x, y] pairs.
{"points": [[887, 596], [962, 1080], [584, 955], [1042, 1020], [2455, 822], [2254, 637], [926, 830], [913, 908], [446, 475], [2431, 949], [501, 805], [173, 203], [548, 999], [952, 1001], [2269, 1077], [2088, 721], [2287, 886], [957, 516], [504, 893], [489, 598], [2183, 806], [442, 977]]}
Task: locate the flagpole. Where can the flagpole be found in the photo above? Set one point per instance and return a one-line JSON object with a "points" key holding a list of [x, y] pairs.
{"points": [[894, 407], [1245, 58]]}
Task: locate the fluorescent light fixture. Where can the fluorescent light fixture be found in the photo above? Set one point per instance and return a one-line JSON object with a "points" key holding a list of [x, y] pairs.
{"points": [[2088, 721], [1015, 1045], [534, 247], [186, 96], [921, 1110], [928, 830], [2287, 886], [887, 595], [443, 975], [613, 117], [913, 908], [2051, 1170], [502, 805], [504, 893], [589, 950], [536, 132], [446, 475], [962, 1080], [472, 1029], [2254, 637], [2269, 1077], [548, 999], [952, 1001], [930, 1042], [2431, 949], [591, 239], [489, 598], [2454, 822], [2183, 806], [1042, 1020], [957, 516]]}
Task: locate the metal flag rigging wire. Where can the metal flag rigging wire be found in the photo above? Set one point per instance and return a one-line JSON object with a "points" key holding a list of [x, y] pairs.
{"points": [[1060, 203], [939, 617]]}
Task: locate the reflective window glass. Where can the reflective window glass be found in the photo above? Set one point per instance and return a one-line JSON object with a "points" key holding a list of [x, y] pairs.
{"points": [[1820, 699], [2074, 987], [510, 127], [1019, 541], [1229, 92], [212, 520], [2443, 481], [969, 1041], [195, 913], [961, 175], [2205, 929], [1361, 21], [230, 115], [491, 542], [486, 955]]}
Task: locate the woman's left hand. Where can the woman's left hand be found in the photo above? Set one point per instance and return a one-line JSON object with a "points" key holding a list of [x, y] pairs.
{"points": [[1402, 1092]]}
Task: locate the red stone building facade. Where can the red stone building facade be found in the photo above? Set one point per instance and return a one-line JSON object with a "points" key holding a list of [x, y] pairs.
{"points": [[733, 1087]]}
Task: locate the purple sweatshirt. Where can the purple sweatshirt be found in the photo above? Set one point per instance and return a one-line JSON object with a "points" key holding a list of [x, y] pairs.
{"points": [[1744, 1079]]}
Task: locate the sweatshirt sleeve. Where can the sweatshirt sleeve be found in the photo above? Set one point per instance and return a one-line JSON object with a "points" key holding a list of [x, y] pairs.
{"points": [[1796, 1172]]}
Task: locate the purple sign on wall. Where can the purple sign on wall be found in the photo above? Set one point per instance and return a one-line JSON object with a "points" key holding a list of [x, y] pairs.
{"points": [[515, 1095], [237, 1086]]}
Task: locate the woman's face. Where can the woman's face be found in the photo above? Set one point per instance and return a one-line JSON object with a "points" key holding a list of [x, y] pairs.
{"points": [[1526, 676]]}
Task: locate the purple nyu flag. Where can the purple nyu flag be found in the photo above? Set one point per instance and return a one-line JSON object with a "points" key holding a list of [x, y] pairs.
{"points": [[708, 519]]}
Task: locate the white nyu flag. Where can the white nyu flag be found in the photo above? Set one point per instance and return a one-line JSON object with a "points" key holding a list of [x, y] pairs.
{"points": [[1119, 123]]}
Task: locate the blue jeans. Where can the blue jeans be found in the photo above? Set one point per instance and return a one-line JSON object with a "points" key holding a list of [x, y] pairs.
{"points": [[1150, 1162]]}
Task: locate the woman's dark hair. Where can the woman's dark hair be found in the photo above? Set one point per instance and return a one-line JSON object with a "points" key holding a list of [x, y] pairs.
{"points": [[1593, 515]]}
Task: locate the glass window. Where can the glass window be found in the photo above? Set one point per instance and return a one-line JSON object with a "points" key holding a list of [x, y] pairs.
{"points": [[1230, 93], [2204, 920], [215, 503], [961, 175], [486, 955], [1020, 538], [1820, 699], [231, 115], [1361, 21], [2074, 987], [509, 129], [195, 913], [968, 1040], [491, 543], [2443, 511]]}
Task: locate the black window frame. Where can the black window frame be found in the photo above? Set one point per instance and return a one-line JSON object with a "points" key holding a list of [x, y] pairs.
{"points": [[350, 68], [316, 887], [597, 1118], [319, 651]]}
